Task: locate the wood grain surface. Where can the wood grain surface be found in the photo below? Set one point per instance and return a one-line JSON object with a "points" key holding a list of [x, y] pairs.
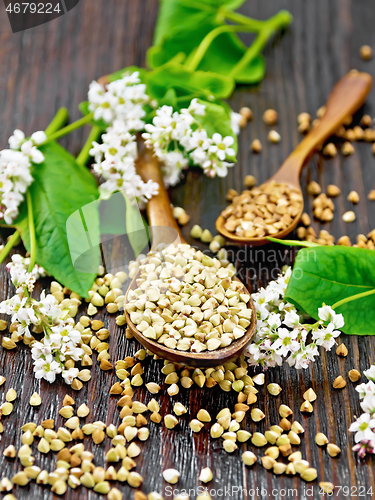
{"points": [[51, 66]]}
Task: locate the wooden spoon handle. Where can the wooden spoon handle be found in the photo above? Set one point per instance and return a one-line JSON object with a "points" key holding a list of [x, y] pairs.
{"points": [[346, 98], [159, 210]]}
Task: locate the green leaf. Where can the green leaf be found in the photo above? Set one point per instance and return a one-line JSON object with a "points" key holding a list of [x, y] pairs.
{"points": [[61, 188], [136, 228], [169, 99], [179, 19], [330, 275], [186, 83], [221, 53], [217, 119], [198, 29], [175, 17]]}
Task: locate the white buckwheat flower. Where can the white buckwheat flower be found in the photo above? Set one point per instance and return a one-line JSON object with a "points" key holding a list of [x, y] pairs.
{"points": [[370, 373], [326, 313], [122, 100], [70, 375], [21, 264], [221, 146], [15, 176], [178, 139], [17, 139], [61, 339], [364, 426], [115, 163], [280, 334]]}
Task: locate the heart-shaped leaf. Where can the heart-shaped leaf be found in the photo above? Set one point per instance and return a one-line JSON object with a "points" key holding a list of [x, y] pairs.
{"points": [[330, 275], [61, 187]]}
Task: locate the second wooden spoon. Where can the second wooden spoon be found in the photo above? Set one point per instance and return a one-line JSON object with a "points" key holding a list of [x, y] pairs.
{"points": [[346, 98]]}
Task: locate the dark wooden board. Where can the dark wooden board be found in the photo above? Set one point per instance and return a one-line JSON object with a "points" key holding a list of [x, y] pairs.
{"points": [[51, 66]]}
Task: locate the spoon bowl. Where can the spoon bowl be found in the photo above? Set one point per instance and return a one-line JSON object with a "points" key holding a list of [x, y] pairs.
{"points": [[241, 240], [160, 216], [204, 359], [346, 98]]}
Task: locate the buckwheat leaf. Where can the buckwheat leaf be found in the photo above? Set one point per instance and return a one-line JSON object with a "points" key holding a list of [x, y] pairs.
{"points": [[170, 99], [182, 25], [180, 15], [60, 188], [221, 53], [179, 19], [189, 83], [217, 120], [330, 275]]}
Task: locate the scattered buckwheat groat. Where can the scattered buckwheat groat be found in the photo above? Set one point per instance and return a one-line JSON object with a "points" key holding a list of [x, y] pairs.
{"points": [[365, 52]]}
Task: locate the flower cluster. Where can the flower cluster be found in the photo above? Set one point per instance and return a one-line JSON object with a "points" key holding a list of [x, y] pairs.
{"points": [[15, 176], [178, 139], [364, 426], [61, 340], [280, 333], [122, 100], [115, 162], [20, 264]]}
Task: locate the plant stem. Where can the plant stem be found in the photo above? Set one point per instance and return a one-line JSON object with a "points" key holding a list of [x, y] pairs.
{"points": [[61, 117], [253, 51], [279, 20], [270, 27], [84, 155], [13, 241], [69, 128], [31, 231], [207, 41], [265, 30], [293, 243], [352, 297]]}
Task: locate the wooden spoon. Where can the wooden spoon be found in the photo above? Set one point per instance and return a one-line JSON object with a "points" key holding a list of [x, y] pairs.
{"points": [[160, 216], [346, 98]]}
